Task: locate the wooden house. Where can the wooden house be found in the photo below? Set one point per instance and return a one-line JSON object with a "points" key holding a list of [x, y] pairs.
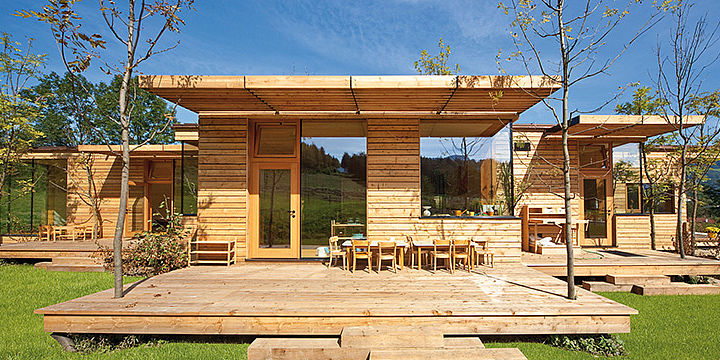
{"points": [[607, 175], [278, 164]]}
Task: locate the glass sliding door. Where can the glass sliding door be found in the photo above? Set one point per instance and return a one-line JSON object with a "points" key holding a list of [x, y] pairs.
{"points": [[596, 210]]}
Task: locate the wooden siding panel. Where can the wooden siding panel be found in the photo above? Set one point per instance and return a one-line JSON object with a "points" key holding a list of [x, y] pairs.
{"points": [[222, 181]]}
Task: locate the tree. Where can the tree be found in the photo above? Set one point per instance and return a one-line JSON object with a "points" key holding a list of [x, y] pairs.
{"points": [[127, 27], [71, 116], [679, 84], [436, 65], [18, 66], [576, 34], [704, 153], [644, 102]]}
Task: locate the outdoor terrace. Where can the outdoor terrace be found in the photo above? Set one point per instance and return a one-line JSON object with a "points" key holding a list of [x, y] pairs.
{"points": [[309, 299]]}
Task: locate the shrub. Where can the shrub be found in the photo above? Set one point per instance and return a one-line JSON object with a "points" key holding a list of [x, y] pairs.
{"points": [[153, 252], [109, 343], [598, 345]]}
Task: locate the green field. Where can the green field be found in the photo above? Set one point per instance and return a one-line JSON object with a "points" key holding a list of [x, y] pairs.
{"points": [[668, 327]]}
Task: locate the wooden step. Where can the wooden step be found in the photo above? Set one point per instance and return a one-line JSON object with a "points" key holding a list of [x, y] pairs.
{"points": [[42, 264], [637, 279], [448, 354], [375, 337], [302, 348], [76, 268], [75, 260], [596, 286], [463, 342], [677, 289]]}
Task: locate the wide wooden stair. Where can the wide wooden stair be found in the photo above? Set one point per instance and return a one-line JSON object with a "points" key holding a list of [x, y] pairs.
{"points": [[386, 343]]}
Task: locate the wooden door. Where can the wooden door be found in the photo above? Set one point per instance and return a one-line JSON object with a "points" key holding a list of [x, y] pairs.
{"points": [[274, 186], [275, 210]]}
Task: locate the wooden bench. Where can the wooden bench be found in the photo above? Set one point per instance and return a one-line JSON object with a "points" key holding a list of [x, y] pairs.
{"points": [[222, 252]]}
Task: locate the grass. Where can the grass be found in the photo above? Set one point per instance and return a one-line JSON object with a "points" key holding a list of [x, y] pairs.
{"points": [[668, 327], [22, 337]]}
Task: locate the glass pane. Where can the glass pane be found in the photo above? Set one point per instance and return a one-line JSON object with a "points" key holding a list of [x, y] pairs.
{"points": [[633, 198], [276, 140], [159, 204], [56, 193], [466, 176], [595, 208], [136, 205], [186, 184], [626, 178], [332, 189], [275, 208]]}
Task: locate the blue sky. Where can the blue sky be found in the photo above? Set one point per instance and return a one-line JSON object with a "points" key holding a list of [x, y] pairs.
{"points": [[358, 38]]}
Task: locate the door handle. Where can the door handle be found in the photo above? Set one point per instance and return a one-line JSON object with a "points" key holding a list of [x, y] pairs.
{"points": [[292, 213]]}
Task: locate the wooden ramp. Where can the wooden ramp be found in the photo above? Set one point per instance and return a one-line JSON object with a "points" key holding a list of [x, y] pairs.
{"points": [[600, 262], [309, 299]]}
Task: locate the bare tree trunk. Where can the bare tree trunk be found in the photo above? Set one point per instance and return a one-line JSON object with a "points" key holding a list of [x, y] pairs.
{"points": [[679, 236], [693, 219], [651, 203], [125, 136], [566, 158]]}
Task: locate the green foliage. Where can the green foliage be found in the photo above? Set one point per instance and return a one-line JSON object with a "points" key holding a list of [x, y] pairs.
{"points": [[436, 65], [644, 102], [155, 252], [600, 345], [108, 343], [79, 112], [17, 112]]}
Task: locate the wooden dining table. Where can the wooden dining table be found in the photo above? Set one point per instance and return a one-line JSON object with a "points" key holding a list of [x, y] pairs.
{"points": [[401, 245]]}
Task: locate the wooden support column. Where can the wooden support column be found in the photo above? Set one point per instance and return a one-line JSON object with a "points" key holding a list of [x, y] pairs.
{"points": [[222, 181], [393, 176]]}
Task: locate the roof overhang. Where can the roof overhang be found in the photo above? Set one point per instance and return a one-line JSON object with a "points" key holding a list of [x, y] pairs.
{"points": [[622, 128], [353, 97], [170, 151]]}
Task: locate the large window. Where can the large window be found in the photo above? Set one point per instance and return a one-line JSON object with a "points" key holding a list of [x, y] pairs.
{"points": [[626, 179], [466, 176], [664, 198], [34, 194], [332, 187], [186, 181]]}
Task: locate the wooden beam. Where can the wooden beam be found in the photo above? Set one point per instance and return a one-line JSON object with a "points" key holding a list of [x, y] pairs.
{"points": [[489, 115]]}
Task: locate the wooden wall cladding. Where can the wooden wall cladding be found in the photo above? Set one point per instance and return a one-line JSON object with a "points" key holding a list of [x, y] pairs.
{"points": [[222, 181], [393, 194]]}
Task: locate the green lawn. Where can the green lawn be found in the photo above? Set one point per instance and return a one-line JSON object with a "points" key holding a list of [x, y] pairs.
{"points": [[25, 289], [668, 327]]}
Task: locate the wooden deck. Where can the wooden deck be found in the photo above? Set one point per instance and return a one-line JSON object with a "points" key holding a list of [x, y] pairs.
{"points": [[41, 250], [601, 262], [308, 299]]}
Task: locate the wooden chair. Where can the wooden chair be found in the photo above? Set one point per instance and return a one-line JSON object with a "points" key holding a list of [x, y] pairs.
{"points": [[442, 249], [387, 250], [361, 250], [482, 254], [63, 233], [412, 250], [45, 232], [335, 251], [462, 250]]}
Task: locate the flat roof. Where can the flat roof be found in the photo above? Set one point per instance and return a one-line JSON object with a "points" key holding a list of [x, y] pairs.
{"points": [[465, 96], [624, 126]]}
